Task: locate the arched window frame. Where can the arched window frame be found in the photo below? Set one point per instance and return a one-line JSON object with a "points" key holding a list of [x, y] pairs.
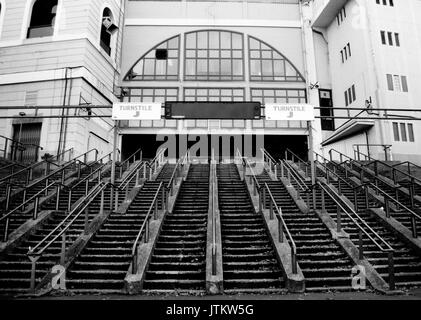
{"points": [[299, 75], [126, 77], [28, 16], [113, 42], [2, 13]]}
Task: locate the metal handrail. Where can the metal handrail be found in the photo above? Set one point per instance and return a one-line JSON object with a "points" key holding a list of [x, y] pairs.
{"points": [[18, 143], [22, 206], [214, 193], [332, 172], [36, 252], [388, 198], [300, 161], [144, 229], [127, 161], [282, 227], [386, 247], [31, 167], [291, 173]]}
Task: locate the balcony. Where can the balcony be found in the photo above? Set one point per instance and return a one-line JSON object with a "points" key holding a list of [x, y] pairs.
{"points": [[40, 31], [325, 11]]}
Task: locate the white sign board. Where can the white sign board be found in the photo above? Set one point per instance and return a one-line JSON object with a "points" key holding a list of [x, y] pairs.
{"points": [[290, 111], [136, 111]]}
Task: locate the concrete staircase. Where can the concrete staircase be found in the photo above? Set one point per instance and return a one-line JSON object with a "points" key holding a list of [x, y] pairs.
{"points": [[326, 267], [179, 259], [102, 265], [249, 261]]}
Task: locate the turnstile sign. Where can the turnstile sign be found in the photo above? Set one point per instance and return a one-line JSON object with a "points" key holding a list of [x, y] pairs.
{"points": [[300, 112], [137, 111]]}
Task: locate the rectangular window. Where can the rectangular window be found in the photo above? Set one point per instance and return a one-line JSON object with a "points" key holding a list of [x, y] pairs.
{"points": [[350, 96], [390, 38], [397, 41], [383, 37], [390, 82], [396, 131], [403, 132], [397, 83], [349, 49], [404, 84], [342, 55], [411, 132], [354, 96], [346, 99]]}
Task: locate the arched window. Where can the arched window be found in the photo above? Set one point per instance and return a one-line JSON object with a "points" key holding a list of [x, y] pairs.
{"points": [[42, 19], [267, 64], [108, 28], [160, 63]]}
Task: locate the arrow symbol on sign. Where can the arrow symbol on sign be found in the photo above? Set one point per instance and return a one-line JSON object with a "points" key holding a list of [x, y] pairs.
{"points": [[137, 114], [291, 114]]}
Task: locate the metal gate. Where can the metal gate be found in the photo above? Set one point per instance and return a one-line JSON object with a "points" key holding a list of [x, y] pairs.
{"points": [[28, 136]]}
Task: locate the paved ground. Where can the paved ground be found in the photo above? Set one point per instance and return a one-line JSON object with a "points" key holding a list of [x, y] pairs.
{"points": [[410, 295]]}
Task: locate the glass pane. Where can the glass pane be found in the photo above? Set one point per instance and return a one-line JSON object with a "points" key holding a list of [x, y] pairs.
{"points": [[225, 40], [149, 66], [190, 67], [226, 67], [267, 68], [202, 66], [191, 41], [255, 67], [213, 66], [161, 67], [237, 66], [237, 42], [202, 40], [172, 67], [278, 67], [213, 39]]}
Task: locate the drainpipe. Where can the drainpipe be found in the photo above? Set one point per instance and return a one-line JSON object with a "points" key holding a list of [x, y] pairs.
{"points": [[63, 111]]}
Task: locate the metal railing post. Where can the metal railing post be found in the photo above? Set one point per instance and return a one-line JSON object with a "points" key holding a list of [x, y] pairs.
{"points": [[46, 186], [69, 202], [134, 262], [360, 245], [338, 219], [33, 272], [391, 271], [414, 226], [146, 235], [387, 206], [58, 197], [323, 201], [6, 230], [86, 220], [271, 209], [36, 207], [264, 197], [281, 231], [63, 249], [101, 207]]}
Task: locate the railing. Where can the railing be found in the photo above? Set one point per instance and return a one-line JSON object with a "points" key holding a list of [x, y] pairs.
{"points": [[387, 200], [372, 235], [94, 174], [288, 172], [156, 162], [297, 159], [131, 159], [16, 145], [282, 226], [270, 161], [395, 186], [30, 169], [358, 154], [145, 230], [59, 232], [135, 174], [407, 164], [214, 210], [19, 209]]}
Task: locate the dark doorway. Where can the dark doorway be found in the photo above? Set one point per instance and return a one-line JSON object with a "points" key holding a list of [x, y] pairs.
{"points": [[225, 147], [27, 137]]}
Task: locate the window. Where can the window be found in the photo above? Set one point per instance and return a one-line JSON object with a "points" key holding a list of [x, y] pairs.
{"points": [[214, 94], [397, 83], [214, 56], [153, 66], [385, 2], [108, 28], [151, 95], [403, 132], [346, 52], [411, 132], [350, 95], [341, 16], [267, 64], [392, 38], [396, 131], [42, 19]]}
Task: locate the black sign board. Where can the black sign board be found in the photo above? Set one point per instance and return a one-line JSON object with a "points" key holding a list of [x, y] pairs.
{"points": [[213, 110]]}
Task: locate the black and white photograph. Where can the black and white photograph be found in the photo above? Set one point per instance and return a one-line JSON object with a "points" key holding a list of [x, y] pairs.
{"points": [[210, 158]]}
